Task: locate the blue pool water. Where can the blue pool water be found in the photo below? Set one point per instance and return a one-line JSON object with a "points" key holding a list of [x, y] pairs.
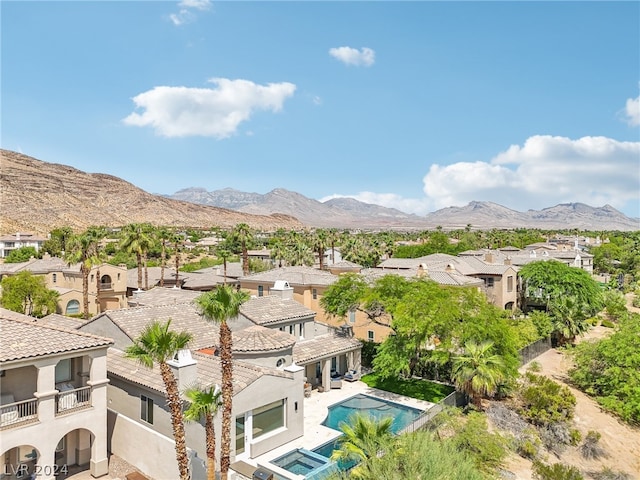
{"points": [[316, 464], [300, 461], [371, 406]]}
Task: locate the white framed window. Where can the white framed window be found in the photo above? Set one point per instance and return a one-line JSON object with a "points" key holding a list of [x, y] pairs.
{"points": [[370, 335], [301, 326], [490, 282], [260, 291], [314, 293], [510, 283], [292, 329], [146, 409], [352, 316]]}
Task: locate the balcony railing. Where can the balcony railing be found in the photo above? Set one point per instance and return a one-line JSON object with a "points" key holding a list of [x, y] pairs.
{"points": [[18, 413], [106, 286], [73, 400]]}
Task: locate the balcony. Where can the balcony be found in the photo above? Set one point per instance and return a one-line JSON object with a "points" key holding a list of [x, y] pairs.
{"points": [[15, 414], [72, 399], [106, 286]]}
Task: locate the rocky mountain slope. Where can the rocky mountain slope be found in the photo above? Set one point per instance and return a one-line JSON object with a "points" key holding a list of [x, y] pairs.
{"points": [[37, 196], [351, 213]]}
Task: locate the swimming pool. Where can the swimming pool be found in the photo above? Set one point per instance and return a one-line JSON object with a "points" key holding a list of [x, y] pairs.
{"points": [[377, 408], [301, 461]]}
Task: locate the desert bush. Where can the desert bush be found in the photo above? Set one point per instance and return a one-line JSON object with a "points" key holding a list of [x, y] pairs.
{"points": [[557, 471], [544, 401], [534, 367], [608, 323], [575, 436], [591, 448], [555, 437]]}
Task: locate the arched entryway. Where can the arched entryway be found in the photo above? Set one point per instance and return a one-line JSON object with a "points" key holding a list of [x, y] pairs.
{"points": [[19, 463], [74, 450]]}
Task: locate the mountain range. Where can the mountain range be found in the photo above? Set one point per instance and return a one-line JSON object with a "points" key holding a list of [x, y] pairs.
{"points": [[350, 213], [38, 196]]}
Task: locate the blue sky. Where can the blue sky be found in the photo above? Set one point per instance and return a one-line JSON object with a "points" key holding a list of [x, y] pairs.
{"points": [[412, 105]]}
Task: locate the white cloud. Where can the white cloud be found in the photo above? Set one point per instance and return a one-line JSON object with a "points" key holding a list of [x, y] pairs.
{"points": [[197, 4], [632, 111], [185, 14], [365, 57], [210, 112], [543, 172]]}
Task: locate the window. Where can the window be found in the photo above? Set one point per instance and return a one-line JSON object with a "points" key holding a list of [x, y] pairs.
{"points": [[72, 307], [260, 290], [54, 277], [489, 282], [334, 363], [314, 293], [63, 370], [146, 409], [280, 363], [302, 330], [352, 316], [292, 329], [370, 335], [268, 418], [118, 276], [510, 283]]}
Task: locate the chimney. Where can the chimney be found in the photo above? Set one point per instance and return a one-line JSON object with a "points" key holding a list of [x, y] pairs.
{"points": [[450, 268], [185, 369], [488, 257], [422, 270], [18, 236], [507, 261], [282, 289]]}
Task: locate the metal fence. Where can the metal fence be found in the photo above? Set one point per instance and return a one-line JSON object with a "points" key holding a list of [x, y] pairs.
{"points": [[534, 349], [454, 399]]}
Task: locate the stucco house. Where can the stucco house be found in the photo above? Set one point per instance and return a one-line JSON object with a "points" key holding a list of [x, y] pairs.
{"points": [[107, 283], [53, 396], [8, 243], [277, 348]]}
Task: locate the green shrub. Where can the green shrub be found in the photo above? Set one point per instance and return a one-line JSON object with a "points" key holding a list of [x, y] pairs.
{"points": [[544, 401], [534, 367], [557, 471], [575, 435], [487, 449], [608, 323], [608, 473]]}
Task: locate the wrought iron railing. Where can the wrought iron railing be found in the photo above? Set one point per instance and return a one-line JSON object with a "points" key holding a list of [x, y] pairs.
{"points": [[73, 400], [18, 413]]}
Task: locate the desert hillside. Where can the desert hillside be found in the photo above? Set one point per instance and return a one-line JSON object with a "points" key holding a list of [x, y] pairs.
{"points": [[37, 197]]}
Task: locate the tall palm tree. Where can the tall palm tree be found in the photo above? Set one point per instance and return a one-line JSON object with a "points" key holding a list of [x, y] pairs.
{"points": [[319, 240], [83, 249], [157, 345], [244, 235], [204, 403], [136, 240], [278, 251], [364, 437], [178, 241], [478, 372], [220, 306], [163, 235], [224, 254]]}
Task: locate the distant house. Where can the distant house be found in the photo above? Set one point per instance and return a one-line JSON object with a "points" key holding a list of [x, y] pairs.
{"points": [[8, 243], [53, 399], [107, 283]]}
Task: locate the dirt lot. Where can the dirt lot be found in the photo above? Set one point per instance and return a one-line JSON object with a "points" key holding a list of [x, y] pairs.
{"points": [[621, 441]]}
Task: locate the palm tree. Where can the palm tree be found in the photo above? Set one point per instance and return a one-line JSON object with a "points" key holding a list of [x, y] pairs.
{"points": [[220, 306], [163, 235], [243, 234], [319, 240], [364, 437], [477, 372], [157, 344], [83, 249], [178, 241], [136, 240], [569, 318], [278, 251], [205, 403], [224, 254]]}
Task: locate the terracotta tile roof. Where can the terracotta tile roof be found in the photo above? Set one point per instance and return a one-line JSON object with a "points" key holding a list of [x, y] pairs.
{"points": [[184, 316], [22, 339], [37, 265], [162, 296], [261, 339], [273, 309], [323, 346], [298, 275], [60, 321], [208, 366]]}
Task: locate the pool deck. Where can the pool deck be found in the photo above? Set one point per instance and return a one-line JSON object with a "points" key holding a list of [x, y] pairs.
{"points": [[316, 409]]}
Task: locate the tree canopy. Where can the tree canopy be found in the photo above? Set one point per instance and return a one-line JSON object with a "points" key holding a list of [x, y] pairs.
{"points": [[21, 254], [27, 293]]}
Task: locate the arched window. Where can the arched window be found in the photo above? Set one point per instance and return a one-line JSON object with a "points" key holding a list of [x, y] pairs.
{"points": [[72, 307], [105, 282]]}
